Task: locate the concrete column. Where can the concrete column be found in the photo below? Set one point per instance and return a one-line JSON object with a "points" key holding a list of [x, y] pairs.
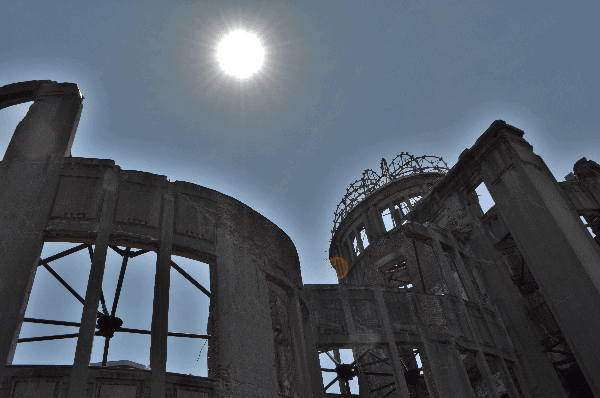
{"points": [[29, 176], [395, 215], [85, 341], [561, 254], [373, 226], [486, 374], [363, 386], [160, 307], [472, 294], [397, 368], [359, 242], [343, 292], [298, 344], [245, 357], [450, 382], [446, 269], [462, 373], [510, 384], [464, 275], [538, 372], [313, 362], [13, 348]]}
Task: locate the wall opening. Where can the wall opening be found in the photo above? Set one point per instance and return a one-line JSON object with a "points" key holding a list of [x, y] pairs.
{"points": [[133, 306], [395, 274], [363, 236], [188, 313], [404, 208], [50, 300], [388, 220], [355, 246], [9, 119], [327, 365], [413, 201], [485, 199], [585, 222]]}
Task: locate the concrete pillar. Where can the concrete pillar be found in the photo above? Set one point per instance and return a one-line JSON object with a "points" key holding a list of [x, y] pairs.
{"points": [[510, 384], [313, 362], [486, 374], [397, 368], [395, 215], [298, 344], [245, 357], [561, 254], [463, 376], [160, 306], [450, 378], [373, 224], [29, 176], [538, 372], [451, 283], [85, 341]]}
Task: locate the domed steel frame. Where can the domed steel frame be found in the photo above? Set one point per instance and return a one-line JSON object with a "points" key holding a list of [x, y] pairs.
{"points": [[402, 165]]}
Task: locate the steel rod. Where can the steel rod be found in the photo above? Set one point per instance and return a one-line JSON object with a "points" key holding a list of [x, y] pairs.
{"points": [[131, 254], [105, 355], [104, 309], [373, 362], [45, 338], [332, 382], [64, 283], [63, 254], [171, 334], [389, 392], [378, 357], [382, 387], [377, 374], [120, 283], [190, 335], [360, 357], [189, 278], [50, 322], [332, 358]]}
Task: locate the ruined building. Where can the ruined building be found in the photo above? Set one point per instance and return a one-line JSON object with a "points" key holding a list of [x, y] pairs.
{"points": [[499, 304]]}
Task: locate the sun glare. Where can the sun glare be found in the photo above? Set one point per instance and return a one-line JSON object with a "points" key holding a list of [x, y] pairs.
{"points": [[240, 54]]}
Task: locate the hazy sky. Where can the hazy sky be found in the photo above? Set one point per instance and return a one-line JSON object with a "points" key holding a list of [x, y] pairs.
{"points": [[344, 84]]}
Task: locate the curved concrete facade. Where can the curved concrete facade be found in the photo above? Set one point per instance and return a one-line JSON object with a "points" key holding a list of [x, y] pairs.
{"points": [[254, 267]]}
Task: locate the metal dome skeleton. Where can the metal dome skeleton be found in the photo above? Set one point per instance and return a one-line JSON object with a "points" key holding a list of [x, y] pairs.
{"points": [[402, 165]]}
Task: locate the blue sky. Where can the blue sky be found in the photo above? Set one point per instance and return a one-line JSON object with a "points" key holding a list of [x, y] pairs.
{"points": [[344, 84]]}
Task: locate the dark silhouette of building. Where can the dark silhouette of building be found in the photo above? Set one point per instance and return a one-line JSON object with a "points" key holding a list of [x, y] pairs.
{"points": [[436, 298]]}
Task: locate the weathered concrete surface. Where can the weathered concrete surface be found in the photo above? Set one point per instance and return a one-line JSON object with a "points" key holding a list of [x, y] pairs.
{"points": [[29, 179]]}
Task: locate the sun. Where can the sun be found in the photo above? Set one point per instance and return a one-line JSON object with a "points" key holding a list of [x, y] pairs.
{"points": [[240, 54]]}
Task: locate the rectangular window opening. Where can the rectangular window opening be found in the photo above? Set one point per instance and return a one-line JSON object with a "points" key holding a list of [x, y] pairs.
{"points": [[363, 236], [388, 220], [355, 244], [485, 199], [588, 228], [346, 357], [413, 201], [404, 207], [399, 209]]}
